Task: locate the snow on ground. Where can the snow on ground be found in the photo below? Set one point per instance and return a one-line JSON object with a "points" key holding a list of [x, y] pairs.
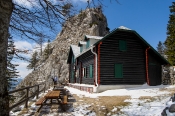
{"points": [[136, 92], [138, 106]]}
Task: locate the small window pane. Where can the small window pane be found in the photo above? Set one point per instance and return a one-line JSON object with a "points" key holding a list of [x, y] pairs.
{"points": [[122, 45]]}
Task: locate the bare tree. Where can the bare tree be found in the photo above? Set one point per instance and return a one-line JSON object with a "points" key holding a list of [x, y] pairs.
{"points": [[42, 16]]}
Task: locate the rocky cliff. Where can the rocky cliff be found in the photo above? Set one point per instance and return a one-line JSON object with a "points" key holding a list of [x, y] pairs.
{"points": [[88, 22]]}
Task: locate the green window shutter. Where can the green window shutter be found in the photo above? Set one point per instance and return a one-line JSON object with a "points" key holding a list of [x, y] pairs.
{"points": [[122, 45], [81, 49], [87, 44], [118, 70], [72, 74], [90, 71]]}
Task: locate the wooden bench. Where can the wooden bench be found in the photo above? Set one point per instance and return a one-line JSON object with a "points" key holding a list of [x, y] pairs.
{"points": [[40, 102]]}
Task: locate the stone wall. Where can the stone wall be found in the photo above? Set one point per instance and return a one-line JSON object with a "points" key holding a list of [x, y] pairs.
{"points": [[168, 75]]}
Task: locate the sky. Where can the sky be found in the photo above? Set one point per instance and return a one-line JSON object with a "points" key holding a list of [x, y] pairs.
{"points": [[137, 106], [149, 18]]}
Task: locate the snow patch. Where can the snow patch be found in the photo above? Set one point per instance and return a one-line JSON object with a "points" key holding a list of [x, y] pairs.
{"points": [[123, 27]]}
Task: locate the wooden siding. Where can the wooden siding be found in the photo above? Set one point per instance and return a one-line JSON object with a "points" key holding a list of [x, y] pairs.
{"points": [[133, 60], [154, 69], [71, 66], [86, 59]]}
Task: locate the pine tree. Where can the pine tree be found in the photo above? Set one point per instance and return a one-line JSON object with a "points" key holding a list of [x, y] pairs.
{"points": [[11, 72], [33, 61], [11, 68], [170, 40], [160, 48], [47, 50]]}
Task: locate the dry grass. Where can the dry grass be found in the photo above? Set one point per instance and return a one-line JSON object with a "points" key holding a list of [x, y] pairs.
{"points": [[147, 98], [170, 90], [104, 104], [24, 111]]}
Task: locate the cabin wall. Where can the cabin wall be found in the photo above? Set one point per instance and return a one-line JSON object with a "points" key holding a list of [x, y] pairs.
{"points": [[133, 60], [86, 60], [154, 69], [71, 74]]}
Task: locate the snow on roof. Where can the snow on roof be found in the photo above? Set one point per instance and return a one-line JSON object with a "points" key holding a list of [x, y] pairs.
{"points": [[93, 37], [123, 27], [76, 50], [82, 42], [84, 51]]}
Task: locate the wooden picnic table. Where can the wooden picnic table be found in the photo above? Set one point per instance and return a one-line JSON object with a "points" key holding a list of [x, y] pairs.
{"points": [[52, 95], [49, 96]]}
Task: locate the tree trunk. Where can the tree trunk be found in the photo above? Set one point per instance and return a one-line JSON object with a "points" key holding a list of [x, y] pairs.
{"points": [[6, 8]]}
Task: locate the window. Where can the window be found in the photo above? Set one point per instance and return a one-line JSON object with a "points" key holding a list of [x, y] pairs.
{"points": [[118, 70], [88, 43], [81, 49], [77, 73], [90, 71], [73, 60], [84, 72], [72, 75], [122, 45]]}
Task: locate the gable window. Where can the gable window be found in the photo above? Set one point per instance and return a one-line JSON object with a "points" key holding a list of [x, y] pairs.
{"points": [[88, 43], [118, 70], [122, 45], [90, 71]]}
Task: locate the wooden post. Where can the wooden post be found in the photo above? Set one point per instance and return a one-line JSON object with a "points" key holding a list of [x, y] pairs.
{"points": [[37, 91], [44, 87], [65, 99], [27, 95]]}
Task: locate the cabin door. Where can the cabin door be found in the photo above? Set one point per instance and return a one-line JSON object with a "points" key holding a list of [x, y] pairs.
{"points": [[154, 74]]}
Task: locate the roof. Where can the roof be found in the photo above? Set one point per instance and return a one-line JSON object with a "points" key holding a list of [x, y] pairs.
{"points": [[93, 37], [84, 51], [81, 43], [77, 53], [74, 50]]}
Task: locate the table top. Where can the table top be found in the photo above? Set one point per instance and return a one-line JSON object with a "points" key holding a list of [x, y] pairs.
{"points": [[52, 95]]}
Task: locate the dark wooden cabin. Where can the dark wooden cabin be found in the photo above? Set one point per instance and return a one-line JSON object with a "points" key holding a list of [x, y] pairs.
{"points": [[122, 57]]}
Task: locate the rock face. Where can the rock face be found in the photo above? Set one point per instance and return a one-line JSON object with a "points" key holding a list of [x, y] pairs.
{"points": [[88, 22]]}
